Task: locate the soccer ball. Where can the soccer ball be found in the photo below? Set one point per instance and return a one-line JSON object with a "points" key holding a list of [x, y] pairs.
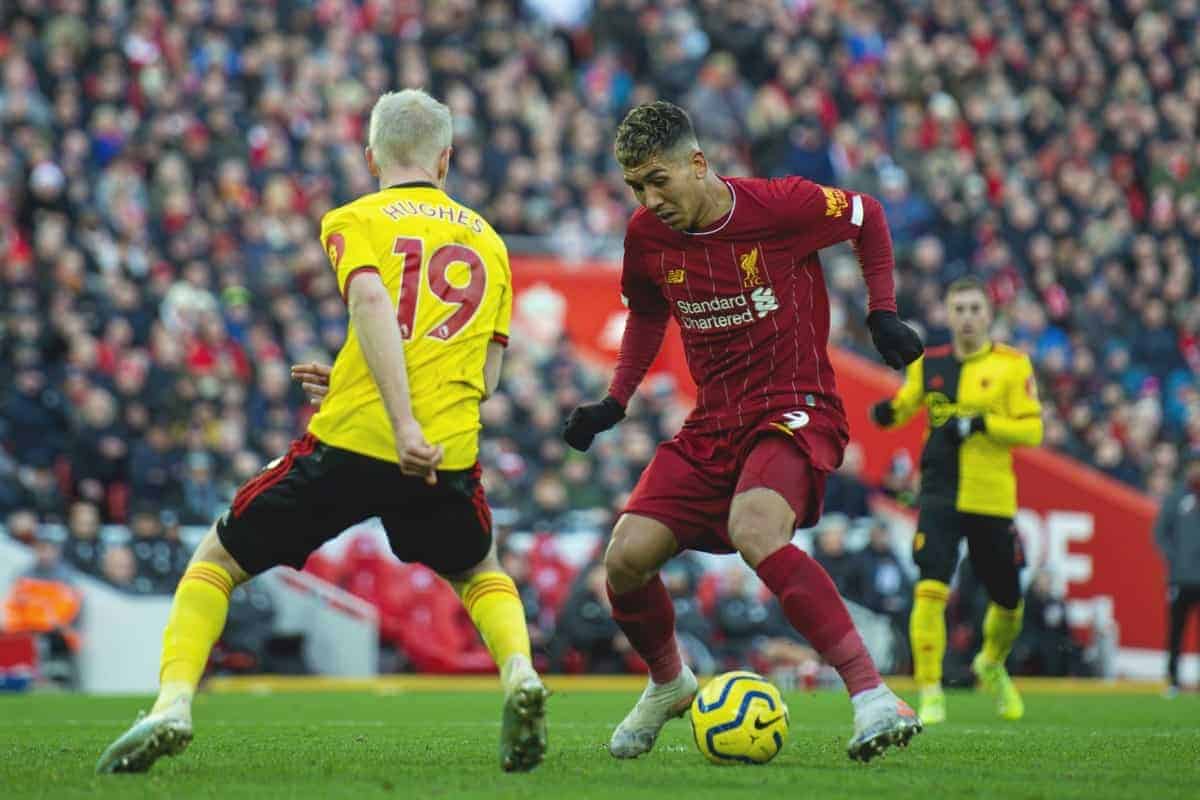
{"points": [[739, 718]]}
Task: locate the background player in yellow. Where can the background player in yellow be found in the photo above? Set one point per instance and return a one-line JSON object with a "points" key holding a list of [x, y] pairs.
{"points": [[428, 287], [982, 402]]}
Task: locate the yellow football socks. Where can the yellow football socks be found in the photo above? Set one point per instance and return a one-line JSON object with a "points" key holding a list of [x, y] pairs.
{"points": [[1000, 629], [927, 629], [492, 600], [197, 618]]}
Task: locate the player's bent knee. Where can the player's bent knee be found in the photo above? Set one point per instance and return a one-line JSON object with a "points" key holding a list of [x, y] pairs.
{"points": [[758, 529], [621, 567], [211, 550], [638, 548]]}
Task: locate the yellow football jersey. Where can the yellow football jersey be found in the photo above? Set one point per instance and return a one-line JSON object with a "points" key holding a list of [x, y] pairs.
{"points": [[975, 476], [448, 272]]}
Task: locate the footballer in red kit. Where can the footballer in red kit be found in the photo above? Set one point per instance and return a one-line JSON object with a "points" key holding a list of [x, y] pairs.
{"points": [[734, 262]]}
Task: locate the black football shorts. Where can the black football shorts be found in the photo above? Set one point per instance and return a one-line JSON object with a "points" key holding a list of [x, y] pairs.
{"points": [[992, 545], [315, 491]]}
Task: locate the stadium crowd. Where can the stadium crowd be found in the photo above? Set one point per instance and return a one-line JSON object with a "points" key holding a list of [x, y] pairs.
{"points": [[164, 167]]}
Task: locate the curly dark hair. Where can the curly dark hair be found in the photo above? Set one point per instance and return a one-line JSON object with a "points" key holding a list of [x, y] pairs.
{"points": [[651, 129]]}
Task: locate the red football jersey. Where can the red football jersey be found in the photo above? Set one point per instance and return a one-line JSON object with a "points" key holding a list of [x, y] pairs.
{"points": [[749, 295]]}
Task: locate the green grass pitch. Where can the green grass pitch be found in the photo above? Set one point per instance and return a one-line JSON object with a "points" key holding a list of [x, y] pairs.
{"points": [[443, 745]]}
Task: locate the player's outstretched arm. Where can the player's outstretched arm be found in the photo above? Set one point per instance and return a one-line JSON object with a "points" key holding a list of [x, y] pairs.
{"points": [[826, 215], [372, 313], [640, 343]]}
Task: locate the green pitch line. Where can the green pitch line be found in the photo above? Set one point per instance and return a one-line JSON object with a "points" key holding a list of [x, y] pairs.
{"points": [[437, 744]]}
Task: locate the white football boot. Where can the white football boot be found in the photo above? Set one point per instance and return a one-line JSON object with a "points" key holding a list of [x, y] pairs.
{"points": [[164, 733], [659, 702], [881, 720], [523, 721]]}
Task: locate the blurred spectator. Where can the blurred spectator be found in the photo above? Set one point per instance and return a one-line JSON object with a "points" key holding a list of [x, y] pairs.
{"points": [[583, 491], [83, 537], [517, 567], [181, 554], [119, 567], [693, 630], [845, 492], [586, 639], [154, 555], [754, 633], [44, 601], [22, 525], [154, 465], [843, 566], [744, 614], [33, 420], [548, 503], [887, 589], [1177, 533], [202, 496], [98, 451], [1045, 646], [244, 642]]}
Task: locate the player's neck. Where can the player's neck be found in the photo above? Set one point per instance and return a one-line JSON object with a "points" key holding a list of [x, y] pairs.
{"points": [[964, 350], [401, 175], [718, 201]]}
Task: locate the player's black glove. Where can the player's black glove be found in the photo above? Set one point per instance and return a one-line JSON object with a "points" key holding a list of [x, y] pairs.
{"points": [[962, 427], [895, 341], [589, 419], [883, 413]]}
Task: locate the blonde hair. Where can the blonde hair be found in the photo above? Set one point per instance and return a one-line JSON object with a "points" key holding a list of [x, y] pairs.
{"points": [[409, 129]]}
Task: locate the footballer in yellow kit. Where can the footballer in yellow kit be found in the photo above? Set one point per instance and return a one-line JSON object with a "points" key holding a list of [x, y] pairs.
{"points": [[449, 273], [429, 294], [982, 402]]}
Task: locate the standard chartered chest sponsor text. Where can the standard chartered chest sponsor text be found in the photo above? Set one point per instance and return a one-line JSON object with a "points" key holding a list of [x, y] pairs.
{"points": [[731, 311]]}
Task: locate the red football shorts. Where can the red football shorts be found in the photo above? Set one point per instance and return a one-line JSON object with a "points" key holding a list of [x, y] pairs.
{"points": [[692, 479]]}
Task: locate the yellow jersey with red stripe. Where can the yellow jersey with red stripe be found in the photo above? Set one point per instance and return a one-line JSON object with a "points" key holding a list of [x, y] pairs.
{"points": [[449, 275]]}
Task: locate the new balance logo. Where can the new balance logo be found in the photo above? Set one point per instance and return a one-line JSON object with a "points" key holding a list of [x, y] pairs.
{"points": [[764, 301]]}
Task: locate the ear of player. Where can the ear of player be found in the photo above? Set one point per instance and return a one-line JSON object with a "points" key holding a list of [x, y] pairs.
{"points": [[590, 419], [896, 342]]}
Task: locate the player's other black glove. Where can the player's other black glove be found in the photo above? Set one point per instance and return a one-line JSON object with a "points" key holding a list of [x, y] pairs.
{"points": [[895, 341], [962, 427], [883, 413], [589, 419]]}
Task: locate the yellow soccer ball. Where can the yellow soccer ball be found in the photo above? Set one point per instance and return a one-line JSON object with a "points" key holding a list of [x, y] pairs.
{"points": [[739, 718]]}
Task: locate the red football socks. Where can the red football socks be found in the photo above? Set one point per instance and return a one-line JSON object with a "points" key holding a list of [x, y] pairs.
{"points": [[815, 609], [647, 618]]}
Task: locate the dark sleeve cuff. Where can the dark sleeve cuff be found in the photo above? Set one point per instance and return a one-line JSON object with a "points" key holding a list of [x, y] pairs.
{"points": [[500, 339]]}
